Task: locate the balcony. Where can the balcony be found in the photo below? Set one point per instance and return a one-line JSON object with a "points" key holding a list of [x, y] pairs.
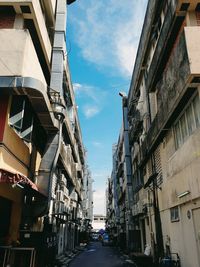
{"points": [[167, 37], [68, 129], [183, 5], [66, 158], [137, 208], [33, 12], [175, 87], [135, 126], [16, 53], [79, 170]]}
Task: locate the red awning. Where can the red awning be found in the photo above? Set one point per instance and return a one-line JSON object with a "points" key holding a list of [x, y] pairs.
{"points": [[14, 178]]}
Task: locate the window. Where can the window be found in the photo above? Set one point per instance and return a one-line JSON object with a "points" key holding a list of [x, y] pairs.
{"points": [[153, 104], [178, 136], [174, 214], [196, 106], [21, 117], [183, 127], [190, 119], [188, 122], [198, 17]]}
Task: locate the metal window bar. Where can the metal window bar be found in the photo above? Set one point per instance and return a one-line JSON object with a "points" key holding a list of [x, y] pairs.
{"points": [[18, 256]]}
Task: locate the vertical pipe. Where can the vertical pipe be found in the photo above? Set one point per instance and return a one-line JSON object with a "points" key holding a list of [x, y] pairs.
{"points": [[59, 47], [128, 177], [158, 247]]}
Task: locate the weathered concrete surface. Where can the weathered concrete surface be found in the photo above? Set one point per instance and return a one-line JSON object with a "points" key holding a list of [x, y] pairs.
{"points": [[97, 255]]}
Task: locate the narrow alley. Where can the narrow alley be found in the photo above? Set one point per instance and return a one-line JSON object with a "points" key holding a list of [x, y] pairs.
{"points": [[97, 255], [99, 133]]}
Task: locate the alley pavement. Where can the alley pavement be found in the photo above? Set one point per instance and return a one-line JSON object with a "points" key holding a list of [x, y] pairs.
{"points": [[96, 255]]}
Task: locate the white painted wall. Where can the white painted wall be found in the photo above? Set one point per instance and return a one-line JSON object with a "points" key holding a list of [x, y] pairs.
{"points": [[18, 55]]}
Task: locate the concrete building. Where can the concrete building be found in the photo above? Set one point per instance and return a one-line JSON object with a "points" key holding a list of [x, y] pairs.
{"points": [[164, 133], [120, 189], [113, 206], [117, 190], [42, 156], [87, 203], [98, 222], [164, 113], [110, 211]]}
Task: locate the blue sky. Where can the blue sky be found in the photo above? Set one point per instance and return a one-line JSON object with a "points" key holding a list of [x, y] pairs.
{"points": [[102, 40]]}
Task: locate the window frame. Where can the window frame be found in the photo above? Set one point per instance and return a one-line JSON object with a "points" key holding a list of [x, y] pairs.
{"points": [[175, 214], [177, 125]]}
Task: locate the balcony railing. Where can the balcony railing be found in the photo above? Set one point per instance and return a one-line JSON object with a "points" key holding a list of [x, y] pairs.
{"points": [[135, 126], [170, 29]]}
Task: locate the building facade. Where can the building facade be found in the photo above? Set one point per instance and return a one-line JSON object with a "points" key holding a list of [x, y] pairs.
{"points": [[113, 203], [117, 215], [42, 156], [98, 222], [87, 203], [164, 133]]}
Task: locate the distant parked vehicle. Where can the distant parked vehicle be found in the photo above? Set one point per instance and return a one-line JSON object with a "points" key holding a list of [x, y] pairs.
{"points": [[105, 240]]}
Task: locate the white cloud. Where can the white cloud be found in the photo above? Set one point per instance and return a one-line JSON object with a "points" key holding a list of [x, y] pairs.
{"points": [[107, 32], [90, 111], [97, 144], [89, 91], [93, 97], [76, 87]]}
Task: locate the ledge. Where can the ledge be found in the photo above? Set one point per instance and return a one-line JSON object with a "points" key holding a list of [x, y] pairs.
{"points": [[36, 91]]}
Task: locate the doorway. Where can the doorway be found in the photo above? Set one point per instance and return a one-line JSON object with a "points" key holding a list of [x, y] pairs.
{"points": [[5, 214]]}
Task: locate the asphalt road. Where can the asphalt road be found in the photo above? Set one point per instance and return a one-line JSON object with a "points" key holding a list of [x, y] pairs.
{"points": [[97, 255]]}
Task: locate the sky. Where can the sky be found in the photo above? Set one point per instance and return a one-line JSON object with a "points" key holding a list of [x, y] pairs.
{"points": [[102, 41]]}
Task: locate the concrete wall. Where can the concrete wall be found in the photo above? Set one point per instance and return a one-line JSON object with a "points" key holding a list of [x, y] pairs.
{"points": [[192, 36], [18, 56], [15, 155], [180, 174]]}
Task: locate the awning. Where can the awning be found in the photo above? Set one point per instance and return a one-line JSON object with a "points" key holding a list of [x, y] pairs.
{"points": [[16, 178]]}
